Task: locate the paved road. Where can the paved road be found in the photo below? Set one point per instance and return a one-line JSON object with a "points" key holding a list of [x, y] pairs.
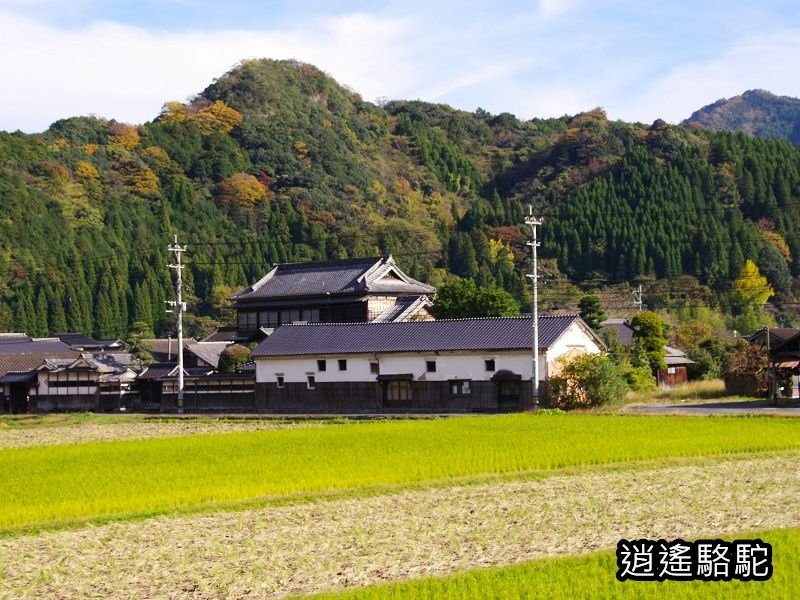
{"points": [[786, 408]]}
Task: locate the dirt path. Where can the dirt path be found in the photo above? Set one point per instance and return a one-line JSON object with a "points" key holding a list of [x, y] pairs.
{"points": [[307, 548]]}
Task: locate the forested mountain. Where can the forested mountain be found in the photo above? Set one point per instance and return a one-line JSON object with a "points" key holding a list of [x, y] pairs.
{"points": [[756, 112], [276, 162]]}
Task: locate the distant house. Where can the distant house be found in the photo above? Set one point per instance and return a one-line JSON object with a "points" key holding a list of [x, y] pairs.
{"points": [[20, 355], [45, 374], [85, 343], [782, 347], [418, 366], [338, 291], [101, 382], [677, 369], [205, 390]]}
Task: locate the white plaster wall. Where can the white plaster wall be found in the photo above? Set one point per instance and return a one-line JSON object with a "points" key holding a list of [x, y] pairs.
{"points": [[449, 365], [82, 386], [574, 340]]}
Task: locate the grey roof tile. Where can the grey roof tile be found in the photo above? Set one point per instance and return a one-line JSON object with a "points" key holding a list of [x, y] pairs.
{"points": [[208, 351], [412, 336], [335, 277]]}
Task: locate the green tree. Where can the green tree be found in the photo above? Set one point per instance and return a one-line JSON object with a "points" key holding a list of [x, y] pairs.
{"points": [[233, 357], [650, 332], [140, 351], [463, 298], [586, 380], [775, 268], [592, 311]]}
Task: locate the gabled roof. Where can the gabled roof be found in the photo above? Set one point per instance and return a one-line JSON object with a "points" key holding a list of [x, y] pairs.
{"points": [[208, 351], [403, 308], [80, 341], [415, 336], [166, 346], [623, 328], [334, 277], [675, 357], [222, 334], [28, 362], [101, 363], [777, 336]]}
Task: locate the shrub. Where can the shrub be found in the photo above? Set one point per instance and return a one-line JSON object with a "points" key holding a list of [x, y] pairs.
{"points": [[233, 357], [585, 381], [639, 379]]}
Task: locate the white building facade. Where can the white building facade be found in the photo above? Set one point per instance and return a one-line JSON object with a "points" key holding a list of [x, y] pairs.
{"points": [[446, 365]]}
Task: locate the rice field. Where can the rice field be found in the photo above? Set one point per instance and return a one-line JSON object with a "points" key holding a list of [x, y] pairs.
{"points": [[468, 507], [591, 577], [53, 485]]}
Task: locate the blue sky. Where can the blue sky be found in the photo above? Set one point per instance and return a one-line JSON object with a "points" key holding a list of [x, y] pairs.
{"points": [[638, 59]]}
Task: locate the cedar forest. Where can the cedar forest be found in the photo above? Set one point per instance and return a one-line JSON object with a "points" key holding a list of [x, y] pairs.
{"points": [[276, 162]]}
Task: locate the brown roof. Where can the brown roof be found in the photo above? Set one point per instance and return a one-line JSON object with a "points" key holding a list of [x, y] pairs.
{"points": [[28, 362]]}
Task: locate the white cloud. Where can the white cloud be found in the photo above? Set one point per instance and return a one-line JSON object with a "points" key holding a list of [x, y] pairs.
{"points": [[764, 60], [127, 73], [550, 9], [518, 62]]}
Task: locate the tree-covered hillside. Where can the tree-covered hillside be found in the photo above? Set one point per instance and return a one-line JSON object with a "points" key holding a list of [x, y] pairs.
{"points": [[276, 162], [756, 112]]}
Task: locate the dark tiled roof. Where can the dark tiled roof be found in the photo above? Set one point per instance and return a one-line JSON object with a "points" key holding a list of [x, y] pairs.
{"points": [[44, 346], [157, 370], [221, 334], [17, 377], [777, 335], [412, 336], [292, 280], [81, 341], [622, 327], [166, 347]]}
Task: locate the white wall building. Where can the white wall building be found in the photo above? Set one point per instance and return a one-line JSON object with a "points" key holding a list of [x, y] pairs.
{"points": [[459, 364]]}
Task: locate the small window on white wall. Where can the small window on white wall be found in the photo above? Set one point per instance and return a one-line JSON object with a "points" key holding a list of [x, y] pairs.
{"points": [[430, 366], [279, 379], [460, 387], [343, 364]]}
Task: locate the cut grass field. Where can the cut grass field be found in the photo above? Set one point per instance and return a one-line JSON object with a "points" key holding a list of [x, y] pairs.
{"points": [[56, 486], [276, 551], [77, 428]]}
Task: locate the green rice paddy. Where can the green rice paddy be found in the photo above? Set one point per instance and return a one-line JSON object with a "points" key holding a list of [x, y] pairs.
{"points": [[592, 577], [44, 487]]}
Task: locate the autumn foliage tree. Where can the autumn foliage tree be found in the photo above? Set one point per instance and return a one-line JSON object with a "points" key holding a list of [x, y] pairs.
{"points": [[242, 189], [751, 288]]}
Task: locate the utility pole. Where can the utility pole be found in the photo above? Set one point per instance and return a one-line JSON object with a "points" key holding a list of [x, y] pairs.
{"points": [[637, 298], [772, 386], [533, 222], [180, 306]]}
